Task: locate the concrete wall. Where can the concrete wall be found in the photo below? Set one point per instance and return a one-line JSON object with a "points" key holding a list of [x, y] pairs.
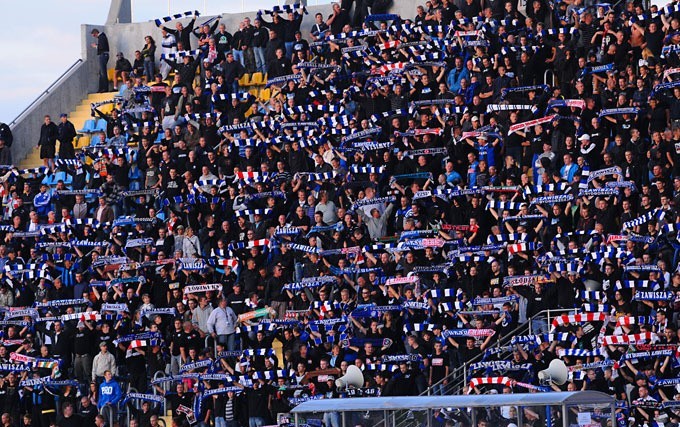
{"points": [[126, 38]]}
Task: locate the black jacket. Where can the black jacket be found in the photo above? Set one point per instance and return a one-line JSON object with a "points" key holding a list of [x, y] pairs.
{"points": [[232, 71], [183, 36], [66, 132], [187, 72], [279, 67], [123, 64], [270, 50], [48, 134], [102, 44]]}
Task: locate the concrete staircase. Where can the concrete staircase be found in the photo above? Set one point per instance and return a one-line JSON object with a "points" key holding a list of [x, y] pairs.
{"points": [[78, 118]]}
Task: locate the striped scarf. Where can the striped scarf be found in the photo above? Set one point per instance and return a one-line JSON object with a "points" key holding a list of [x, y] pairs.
{"points": [[656, 214], [181, 54], [510, 107], [616, 111], [523, 247], [387, 114], [445, 307], [628, 339], [575, 352], [367, 169], [550, 188], [579, 318], [594, 192], [634, 320], [163, 20], [525, 218], [521, 89], [475, 382], [506, 206], [588, 307], [286, 8], [562, 198], [425, 152]]}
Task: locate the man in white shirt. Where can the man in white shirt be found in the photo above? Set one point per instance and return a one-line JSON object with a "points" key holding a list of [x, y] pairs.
{"points": [[103, 361], [222, 325]]}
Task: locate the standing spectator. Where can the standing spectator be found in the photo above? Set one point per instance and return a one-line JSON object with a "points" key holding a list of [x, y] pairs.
{"points": [[83, 340], [49, 133], [182, 34], [168, 46], [103, 361], [200, 316], [149, 55], [232, 72], [222, 325], [102, 47], [260, 38], [66, 134], [110, 394]]}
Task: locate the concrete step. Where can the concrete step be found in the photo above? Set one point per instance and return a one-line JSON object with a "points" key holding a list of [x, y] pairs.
{"points": [[32, 161], [98, 97]]}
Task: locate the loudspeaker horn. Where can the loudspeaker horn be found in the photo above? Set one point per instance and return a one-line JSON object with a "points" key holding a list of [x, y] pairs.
{"points": [[556, 373], [354, 378]]}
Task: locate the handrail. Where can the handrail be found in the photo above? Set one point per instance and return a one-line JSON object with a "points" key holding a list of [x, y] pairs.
{"points": [[108, 409], [164, 386], [128, 415], [45, 92], [545, 77], [549, 314], [458, 377]]}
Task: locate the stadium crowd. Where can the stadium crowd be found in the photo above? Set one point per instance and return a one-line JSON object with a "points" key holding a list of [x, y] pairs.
{"points": [[413, 191]]}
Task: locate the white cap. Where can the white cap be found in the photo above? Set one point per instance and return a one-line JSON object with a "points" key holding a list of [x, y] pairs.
{"points": [[584, 137], [475, 118]]}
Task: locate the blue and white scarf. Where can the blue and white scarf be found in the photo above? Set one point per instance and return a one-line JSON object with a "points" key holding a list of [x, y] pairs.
{"points": [[163, 20]]}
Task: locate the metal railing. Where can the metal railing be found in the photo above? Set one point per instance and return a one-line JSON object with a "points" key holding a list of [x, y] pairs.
{"points": [[165, 386], [136, 403], [458, 378], [46, 91], [107, 411], [545, 78]]}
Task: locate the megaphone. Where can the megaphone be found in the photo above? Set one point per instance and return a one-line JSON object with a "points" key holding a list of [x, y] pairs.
{"points": [[556, 373], [354, 378]]}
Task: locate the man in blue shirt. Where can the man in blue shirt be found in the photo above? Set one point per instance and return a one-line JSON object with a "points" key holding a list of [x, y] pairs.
{"points": [[109, 393], [42, 201]]}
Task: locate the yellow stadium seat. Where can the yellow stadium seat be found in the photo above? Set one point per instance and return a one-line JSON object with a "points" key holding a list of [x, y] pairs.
{"points": [[110, 73], [256, 79], [245, 80], [82, 141], [265, 94], [254, 91]]}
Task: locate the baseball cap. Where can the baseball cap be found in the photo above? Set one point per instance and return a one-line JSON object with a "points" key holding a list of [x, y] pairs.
{"points": [[584, 137], [475, 118]]}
